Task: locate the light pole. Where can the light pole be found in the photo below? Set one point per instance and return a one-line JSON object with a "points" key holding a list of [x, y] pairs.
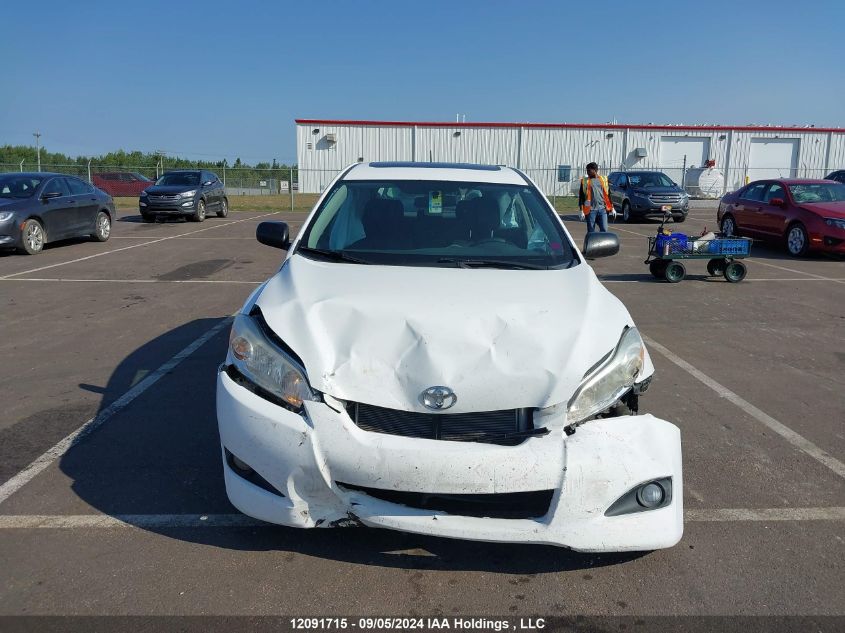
{"points": [[37, 136]]}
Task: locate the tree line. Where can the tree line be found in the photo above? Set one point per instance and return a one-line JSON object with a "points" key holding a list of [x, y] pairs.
{"points": [[14, 154]]}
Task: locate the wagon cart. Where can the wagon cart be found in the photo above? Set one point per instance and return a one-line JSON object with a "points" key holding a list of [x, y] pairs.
{"points": [[723, 253]]}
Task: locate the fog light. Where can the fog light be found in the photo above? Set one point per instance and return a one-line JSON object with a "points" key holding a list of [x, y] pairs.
{"points": [[241, 465], [187, 204], [143, 204], [651, 495]]}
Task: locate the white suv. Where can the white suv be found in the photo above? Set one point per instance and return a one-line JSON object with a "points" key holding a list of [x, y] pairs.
{"points": [[436, 356]]}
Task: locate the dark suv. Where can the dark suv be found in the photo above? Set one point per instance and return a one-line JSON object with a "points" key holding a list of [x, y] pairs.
{"points": [[190, 192], [838, 176], [643, 193]]}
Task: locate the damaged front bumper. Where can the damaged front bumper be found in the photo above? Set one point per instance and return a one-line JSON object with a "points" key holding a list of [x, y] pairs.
{"points": [[320, 470]]}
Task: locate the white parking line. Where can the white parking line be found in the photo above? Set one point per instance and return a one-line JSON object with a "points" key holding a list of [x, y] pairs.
{"points": [[797, 440], [41, 463], [165, 521], [126, 248], [147, 281]]}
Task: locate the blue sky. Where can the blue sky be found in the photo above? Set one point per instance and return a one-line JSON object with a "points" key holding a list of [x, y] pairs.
{"points": [[213, 80]]}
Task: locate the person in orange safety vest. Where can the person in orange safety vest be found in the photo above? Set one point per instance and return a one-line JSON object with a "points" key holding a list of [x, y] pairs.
{"points": [[594, 199]]}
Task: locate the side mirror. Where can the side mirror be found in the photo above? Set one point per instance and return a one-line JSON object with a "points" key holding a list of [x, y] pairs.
{"points": [[600, 245], [777, 202], [47, 195], [275, 234]]}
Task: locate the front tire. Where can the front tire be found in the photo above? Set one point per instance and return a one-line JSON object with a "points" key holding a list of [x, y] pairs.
{"points": [[224, 208], [679, 217], [33, 237], [797, 240], [716, 267], [148, 217], [728, 226], [626, 212], [735, 272], [102, 229], [199, 214]]}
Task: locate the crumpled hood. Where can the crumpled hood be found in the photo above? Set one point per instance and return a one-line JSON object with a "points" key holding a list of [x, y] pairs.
{"points": [[500, 339]]}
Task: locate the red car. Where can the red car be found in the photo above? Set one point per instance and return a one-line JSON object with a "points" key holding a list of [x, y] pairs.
{"points": [[804, 215], [122, 183]]}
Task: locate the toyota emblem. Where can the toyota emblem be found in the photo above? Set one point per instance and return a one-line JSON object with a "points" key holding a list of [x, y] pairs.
{"points": [[439, 398]]}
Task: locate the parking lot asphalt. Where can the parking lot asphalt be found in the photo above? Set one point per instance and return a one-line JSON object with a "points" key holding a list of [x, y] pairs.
{"points": [[132, 518]]}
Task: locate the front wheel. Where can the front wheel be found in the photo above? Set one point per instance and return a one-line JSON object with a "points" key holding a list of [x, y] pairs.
{"points": [[679, 217], [728, 226], [199, 214], [33, 237], [102, 230], [657, 268], [797, 242], [735, 272], [224, 208], [626, 211]]}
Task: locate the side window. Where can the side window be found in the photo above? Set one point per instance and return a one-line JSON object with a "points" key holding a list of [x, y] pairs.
{"points": [[621, 180], [77, 187], [775, 191], [57, 185], [754, 192]]}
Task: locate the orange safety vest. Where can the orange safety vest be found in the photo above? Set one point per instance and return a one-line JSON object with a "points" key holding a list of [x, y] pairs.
{"points": [[588, 192]]}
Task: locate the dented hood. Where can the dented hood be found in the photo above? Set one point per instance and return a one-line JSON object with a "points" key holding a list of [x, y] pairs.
{"points": [[500, 339]]}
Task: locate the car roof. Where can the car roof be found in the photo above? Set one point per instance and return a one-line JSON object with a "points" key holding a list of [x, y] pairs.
{"points": [[794, 181], [33, 174], [460, 172]]}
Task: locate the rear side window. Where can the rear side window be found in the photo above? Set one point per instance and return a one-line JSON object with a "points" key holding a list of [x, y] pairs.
{"points": [[57, 185], [77, 187]]}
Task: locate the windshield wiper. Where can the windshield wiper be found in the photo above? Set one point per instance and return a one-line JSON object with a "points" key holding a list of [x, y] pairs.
{"points": [[335, 256], [490, 263]]}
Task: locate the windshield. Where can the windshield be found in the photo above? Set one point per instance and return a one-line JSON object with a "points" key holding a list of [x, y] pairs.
{"points": [[817, 192], [649, 179], [439, 223], [18, 186], [182, 178]]}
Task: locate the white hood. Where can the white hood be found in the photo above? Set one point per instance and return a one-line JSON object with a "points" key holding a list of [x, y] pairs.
{"points": [[500, 339]]}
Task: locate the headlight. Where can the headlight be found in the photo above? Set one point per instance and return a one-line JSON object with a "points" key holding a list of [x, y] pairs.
{"points": [[262, 362], [143, 194], [604, 385], [835, 222], [189, 194], [5, 215]]}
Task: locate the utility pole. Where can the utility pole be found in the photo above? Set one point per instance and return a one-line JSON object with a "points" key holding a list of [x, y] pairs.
{"points": [[37, 136]]}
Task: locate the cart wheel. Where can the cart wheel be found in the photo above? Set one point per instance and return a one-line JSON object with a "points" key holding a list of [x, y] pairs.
{"points": [[657, 268], [735, 272], [716, 267], [674, 272]]}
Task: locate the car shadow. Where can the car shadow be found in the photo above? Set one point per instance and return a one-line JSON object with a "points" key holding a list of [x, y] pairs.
{"points": [[160, 455], [161, 219]]}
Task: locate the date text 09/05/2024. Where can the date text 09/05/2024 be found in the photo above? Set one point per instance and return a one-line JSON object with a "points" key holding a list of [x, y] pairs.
{"points": [[422, 624]]}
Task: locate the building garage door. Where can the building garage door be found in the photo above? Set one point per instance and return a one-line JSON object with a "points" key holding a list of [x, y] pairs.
{"points": [[773, 158], [673, 149]]}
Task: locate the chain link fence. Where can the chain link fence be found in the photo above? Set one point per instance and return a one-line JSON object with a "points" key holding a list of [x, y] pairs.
{"points": [[291, 182]]}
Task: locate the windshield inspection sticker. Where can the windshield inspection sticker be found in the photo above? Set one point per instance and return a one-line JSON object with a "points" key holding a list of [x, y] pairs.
{"points": [[435, 202]]}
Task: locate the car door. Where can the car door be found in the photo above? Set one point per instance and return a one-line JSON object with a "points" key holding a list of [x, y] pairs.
{"points": [[746, 209], [87, 206], [212, 200], [617, 183], [772, 217], [57, 209]]}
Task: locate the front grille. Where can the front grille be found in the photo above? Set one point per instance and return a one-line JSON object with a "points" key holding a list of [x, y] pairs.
{"points": [[163, 198], [506, 428], [503, 505], [665, 198]]}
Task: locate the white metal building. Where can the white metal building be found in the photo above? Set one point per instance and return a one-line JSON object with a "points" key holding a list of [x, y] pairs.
{"points": [[554, 154]]}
